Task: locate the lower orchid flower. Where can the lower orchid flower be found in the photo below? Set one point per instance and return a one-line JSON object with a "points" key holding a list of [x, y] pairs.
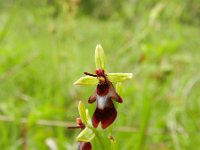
{"points": [[82, 145]]}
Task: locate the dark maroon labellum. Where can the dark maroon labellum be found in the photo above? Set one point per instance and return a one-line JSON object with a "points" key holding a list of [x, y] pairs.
{"points": [[104, 94], [84, 146]]}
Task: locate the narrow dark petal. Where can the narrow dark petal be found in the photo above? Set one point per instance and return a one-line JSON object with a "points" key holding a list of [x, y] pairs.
{"points": [[89, 74], [92, 98], [84, 146], [113, 94], [108, 117]]}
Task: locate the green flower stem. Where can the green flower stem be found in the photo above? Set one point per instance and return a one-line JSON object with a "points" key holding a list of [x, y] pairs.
{"points": [[99, 138]]}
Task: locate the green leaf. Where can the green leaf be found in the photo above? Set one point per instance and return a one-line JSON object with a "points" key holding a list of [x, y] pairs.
{"points": [[99, 57], [119, 77], [82, 113], [87, 80], [86, 135]]}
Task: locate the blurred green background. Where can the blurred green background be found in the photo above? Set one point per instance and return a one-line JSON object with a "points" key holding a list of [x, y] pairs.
{"points": [[45, 45]]}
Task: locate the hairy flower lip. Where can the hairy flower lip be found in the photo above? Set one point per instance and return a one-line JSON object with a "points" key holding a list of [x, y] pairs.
{"points": [[105, 111]]}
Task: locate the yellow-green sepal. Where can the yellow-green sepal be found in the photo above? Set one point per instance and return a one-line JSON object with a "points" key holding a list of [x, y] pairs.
{"points": [[87, 80], [119, 77], [118, 87], [86, 135], [99, 57]]}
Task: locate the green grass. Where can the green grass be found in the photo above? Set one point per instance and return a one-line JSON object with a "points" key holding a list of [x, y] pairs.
{"points": [[41, 56]]}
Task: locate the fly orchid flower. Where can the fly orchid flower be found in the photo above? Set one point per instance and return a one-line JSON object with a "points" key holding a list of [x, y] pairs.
{"points": [[105, 92]]}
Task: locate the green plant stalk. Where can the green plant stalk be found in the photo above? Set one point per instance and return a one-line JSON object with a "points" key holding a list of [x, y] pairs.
{"points": [[99, 138], [144, 124]]}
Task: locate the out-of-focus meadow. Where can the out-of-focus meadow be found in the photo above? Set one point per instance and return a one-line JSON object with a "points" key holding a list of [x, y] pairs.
{"points": [[46, 45]]}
